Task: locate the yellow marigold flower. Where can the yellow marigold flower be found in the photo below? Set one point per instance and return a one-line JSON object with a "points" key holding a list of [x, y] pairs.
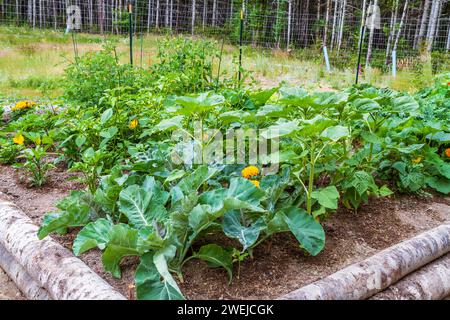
{"points": [[134, 123], [255, 182], [21, 105], [447, 152], [250, 171], [417, 160], [19, 139]]}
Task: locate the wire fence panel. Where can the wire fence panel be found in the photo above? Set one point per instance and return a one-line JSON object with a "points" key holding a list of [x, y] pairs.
{"points": [[299, 26]]}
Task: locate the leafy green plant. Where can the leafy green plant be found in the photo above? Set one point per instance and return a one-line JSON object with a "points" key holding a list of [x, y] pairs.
{"points": [[9, 151], [36, 165]]}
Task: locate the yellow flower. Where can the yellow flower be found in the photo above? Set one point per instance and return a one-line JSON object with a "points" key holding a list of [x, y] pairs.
{"points": [[417, 160], [19, 139], [255, 182], [250, 171], [21, 105], [134, 123]]}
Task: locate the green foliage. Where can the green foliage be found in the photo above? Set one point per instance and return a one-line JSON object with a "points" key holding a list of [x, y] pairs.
{"points": [[335, 148], [36, 162]]}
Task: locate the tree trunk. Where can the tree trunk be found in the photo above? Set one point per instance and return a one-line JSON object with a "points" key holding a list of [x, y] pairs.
{"points": [[18, 12], [366, 278], [288, 42], [448, 36], [193, 17], [423, 24], [157, 15], [214, 13], [371, 34], [166, 18], [149, 15], [342, 22], [34, 14], [399, 32], [432, 25], [205, 10], [333, 31], [327, 19], [55, 15], [392, 30]]}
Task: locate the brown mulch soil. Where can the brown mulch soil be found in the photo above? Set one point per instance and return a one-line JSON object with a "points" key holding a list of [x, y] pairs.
{"points": [[278, 266]]}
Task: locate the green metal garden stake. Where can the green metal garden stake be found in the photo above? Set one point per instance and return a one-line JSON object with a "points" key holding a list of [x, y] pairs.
{"points": [[142, 47], [361, 43], [241, 33]]}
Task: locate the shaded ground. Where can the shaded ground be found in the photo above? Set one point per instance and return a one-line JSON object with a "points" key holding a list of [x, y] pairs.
{"points": [[279, 266]]}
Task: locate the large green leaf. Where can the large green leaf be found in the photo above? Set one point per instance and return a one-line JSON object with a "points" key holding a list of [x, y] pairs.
{"points": [[260, 98], [295, 96], [335, 133], [274, 185], [235, 116], [149, 285], [405, 104], [216, 256], [306, 230], [233, 228], [74, 216], [95, 234], [327, 197], [200, 217], [242, 194], [151, 239], [192, 182], [441, 185], [142, 205], [197, 104], [361, 181], [170, 124], [271, 110], [280, 129], [366, 105], [315, 126], [122, 243], [106, 115]]}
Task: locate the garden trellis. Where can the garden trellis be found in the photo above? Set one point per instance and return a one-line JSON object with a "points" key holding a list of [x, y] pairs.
{"points": [[406, 27]]}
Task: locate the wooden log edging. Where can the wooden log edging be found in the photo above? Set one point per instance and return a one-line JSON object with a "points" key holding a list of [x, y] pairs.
{"points": [[52, 266], [368, 277], [431, 282], [27, 285]]}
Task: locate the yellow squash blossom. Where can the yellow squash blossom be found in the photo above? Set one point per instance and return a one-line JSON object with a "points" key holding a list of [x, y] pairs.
{"points": [[134, 123], [447, 152], [417, 160], [256, 183], [19, 139], [250, 171]]}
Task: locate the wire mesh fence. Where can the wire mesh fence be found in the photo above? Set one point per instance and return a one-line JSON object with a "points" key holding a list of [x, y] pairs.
{"points": [[280, 25]]}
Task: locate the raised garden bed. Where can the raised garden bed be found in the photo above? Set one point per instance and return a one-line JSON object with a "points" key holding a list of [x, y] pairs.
{"points": [[279, 266]]}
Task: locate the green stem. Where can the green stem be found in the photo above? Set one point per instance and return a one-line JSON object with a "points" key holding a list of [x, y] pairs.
{"points": [[311, 181], [371, 152]]}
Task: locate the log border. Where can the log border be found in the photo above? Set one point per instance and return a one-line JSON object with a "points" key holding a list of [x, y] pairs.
{"points": [[364, 279], [52, 267]]}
